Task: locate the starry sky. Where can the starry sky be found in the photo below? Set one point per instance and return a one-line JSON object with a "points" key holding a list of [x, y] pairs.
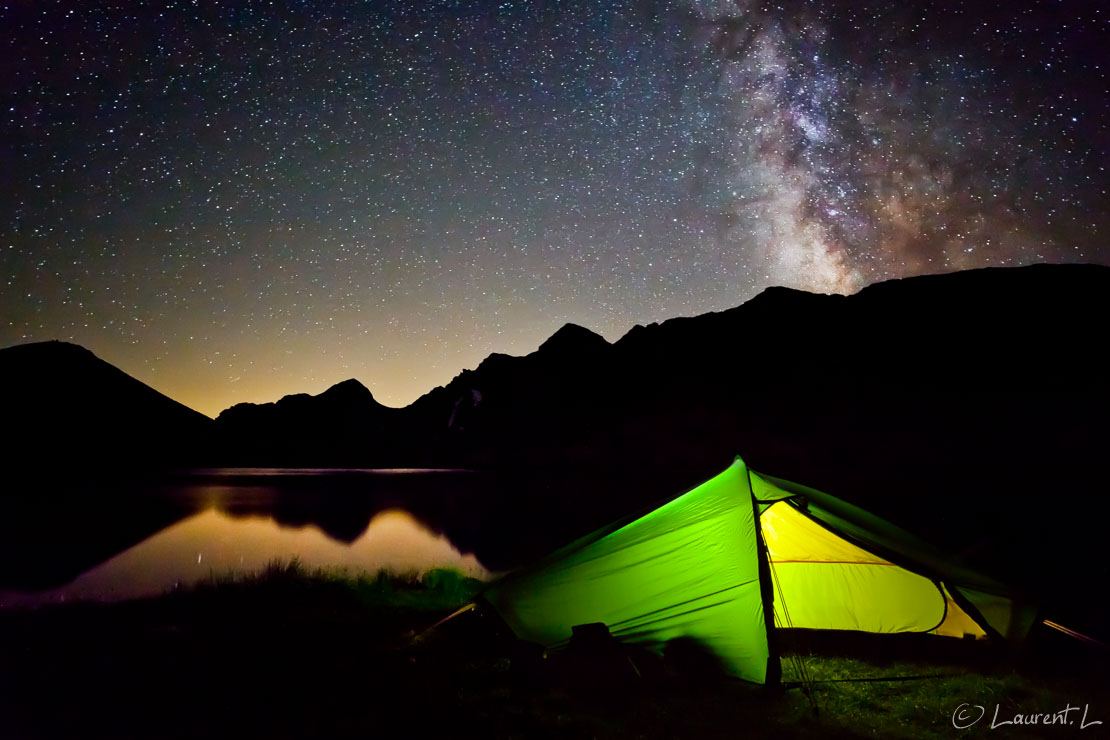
{"points": [[232, 201]]}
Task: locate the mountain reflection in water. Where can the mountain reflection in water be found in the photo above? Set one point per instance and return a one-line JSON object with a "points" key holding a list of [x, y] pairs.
{"points": [[213, 543], [115, 539]]}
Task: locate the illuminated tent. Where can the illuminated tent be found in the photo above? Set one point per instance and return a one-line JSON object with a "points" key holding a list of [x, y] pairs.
{"points": [[694, 568]]}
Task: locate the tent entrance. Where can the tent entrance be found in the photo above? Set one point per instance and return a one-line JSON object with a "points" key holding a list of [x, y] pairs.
{"points": [[825, 582]]}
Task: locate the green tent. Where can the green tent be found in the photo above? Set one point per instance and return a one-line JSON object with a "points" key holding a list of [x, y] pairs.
{"points": [[696, 567]]}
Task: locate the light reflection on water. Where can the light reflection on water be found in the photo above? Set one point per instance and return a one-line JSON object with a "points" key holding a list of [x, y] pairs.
{"points": [[214, 543], [322, 472]]}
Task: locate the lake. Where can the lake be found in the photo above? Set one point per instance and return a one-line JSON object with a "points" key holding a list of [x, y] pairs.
{"points": [[133, 537], [213, 543], [144, 540]]}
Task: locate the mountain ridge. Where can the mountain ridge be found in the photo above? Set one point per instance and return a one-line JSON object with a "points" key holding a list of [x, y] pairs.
{"points": [[579, 399]]}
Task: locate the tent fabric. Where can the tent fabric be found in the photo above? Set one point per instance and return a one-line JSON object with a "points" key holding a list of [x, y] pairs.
{"points": [[993, 607], [957, 622], [691, 568], [822, 581], [873, 532], [1008, 617]]}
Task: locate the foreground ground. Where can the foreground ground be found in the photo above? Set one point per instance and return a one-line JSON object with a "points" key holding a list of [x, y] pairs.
{"points": [[295, 654]]}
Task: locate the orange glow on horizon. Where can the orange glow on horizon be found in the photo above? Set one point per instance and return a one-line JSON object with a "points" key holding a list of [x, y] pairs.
{"points": [[217, 374]]}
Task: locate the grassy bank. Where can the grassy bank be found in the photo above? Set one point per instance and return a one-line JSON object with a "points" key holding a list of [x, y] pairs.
{"points": [[293, 653]]}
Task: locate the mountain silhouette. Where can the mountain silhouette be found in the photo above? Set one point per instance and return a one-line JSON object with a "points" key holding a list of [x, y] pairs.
{"points": [[572, 340], [942, 368], [341, 426], [66, 411], [966, 386], [961, 372]]}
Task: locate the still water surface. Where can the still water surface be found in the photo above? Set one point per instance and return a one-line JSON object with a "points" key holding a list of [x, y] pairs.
{"points": [[236, 529]]}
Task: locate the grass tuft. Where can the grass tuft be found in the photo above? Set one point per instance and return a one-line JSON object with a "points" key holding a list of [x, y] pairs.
{"points": [[437, 589]]}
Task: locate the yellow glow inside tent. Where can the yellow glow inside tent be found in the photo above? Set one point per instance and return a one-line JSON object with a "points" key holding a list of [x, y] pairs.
{"points": [[957, 622], [822, 581]]}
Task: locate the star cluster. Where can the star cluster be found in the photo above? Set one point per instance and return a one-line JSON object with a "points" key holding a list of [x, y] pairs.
{"points": [[237, 200]]}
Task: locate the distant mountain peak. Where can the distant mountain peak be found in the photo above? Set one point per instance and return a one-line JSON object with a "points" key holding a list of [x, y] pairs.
{"points": [[64, 408], [573, 338], [48, 348], [348, 388]]}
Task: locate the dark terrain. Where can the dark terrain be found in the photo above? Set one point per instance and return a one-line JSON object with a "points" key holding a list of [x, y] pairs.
{"points": [[291, 654]]}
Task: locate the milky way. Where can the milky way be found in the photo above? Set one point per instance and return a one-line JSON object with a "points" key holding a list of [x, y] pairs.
{"points": [[861, 143], [233, 201]]}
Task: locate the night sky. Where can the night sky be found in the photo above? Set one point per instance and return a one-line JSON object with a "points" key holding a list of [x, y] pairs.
{"points": [[236, 200]]}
